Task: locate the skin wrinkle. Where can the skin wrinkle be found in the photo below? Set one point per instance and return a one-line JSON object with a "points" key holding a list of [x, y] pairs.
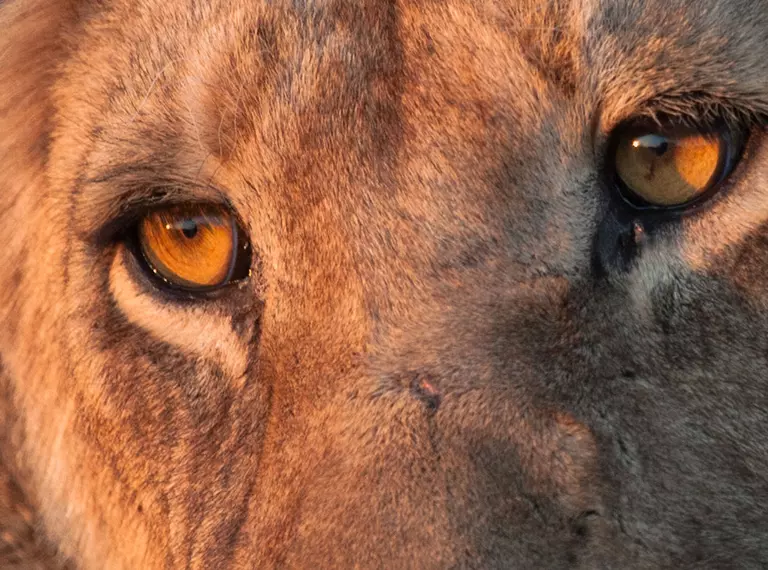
{"points": [[442, 359]]}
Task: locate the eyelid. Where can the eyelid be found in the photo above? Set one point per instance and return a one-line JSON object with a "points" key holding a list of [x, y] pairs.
{"points": [[110, 197], [699, 110], [128, 212]]}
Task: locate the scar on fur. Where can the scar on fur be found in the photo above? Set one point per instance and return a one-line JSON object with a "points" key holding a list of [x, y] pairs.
{"points": [[638, 233], [426, 391]]}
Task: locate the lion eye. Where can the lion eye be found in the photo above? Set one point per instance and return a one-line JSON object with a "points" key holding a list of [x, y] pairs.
{"points": [[194, 247], [668, 169]]}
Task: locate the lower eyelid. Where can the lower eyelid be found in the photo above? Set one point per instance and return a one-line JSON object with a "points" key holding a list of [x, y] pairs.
{"points": [[140, 270], [177, 325]]}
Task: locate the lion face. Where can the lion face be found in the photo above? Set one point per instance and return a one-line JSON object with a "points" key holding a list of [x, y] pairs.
{"points": [[375, 284]]}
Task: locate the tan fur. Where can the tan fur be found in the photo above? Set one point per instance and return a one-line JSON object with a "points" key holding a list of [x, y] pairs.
{"points": [[438, 361]]}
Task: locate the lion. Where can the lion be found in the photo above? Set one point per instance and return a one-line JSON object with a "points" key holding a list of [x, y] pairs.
{"points": [[367, 284]]}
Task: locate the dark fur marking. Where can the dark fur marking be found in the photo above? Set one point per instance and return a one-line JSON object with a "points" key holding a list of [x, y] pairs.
{"points": [[547, 42]]}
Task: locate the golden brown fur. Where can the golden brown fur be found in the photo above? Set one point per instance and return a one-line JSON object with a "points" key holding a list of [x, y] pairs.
{"points": [[440, 360]]}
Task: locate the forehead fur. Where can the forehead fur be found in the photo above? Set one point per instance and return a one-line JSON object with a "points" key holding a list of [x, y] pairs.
{"points": [[622, 45], [362, 96]]}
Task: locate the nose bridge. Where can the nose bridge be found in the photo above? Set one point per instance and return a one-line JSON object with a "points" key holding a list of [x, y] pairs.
{"points": [[481, 478], [434, 445], [496, 152], [506, 448], [410, 419]]}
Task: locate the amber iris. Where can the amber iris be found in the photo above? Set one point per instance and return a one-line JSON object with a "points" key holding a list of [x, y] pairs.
{"points": [[192, 247], [668, 169]]}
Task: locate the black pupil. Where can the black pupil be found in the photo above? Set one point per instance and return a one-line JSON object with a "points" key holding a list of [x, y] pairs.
{"points": [[661, 149], [189, 228]]}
